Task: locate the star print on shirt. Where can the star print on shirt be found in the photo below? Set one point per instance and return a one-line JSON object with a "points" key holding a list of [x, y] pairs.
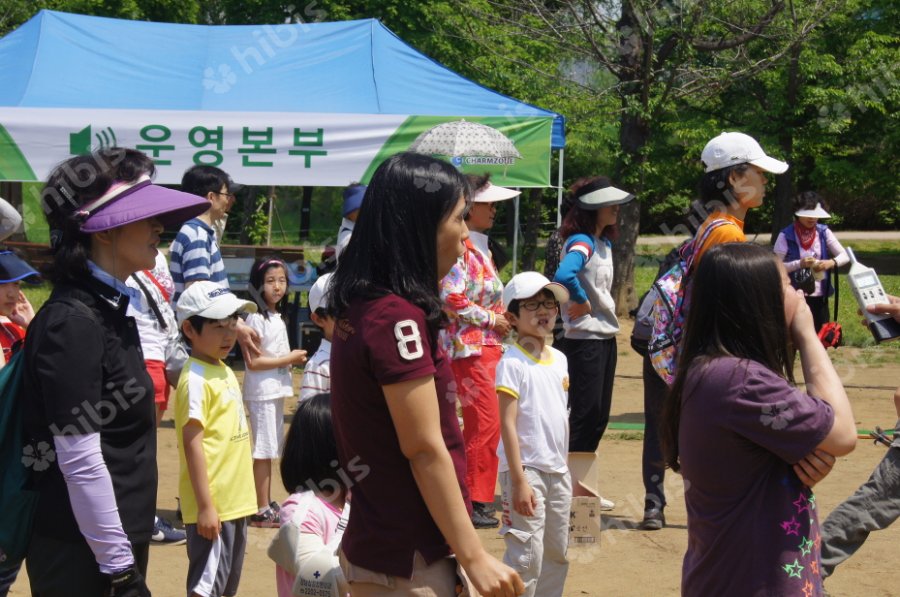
{"points": [[818, 540], [806, 546], [791, 527], [814, 567], [812, 502], [808, 588], [802, 504], [794, 569]]}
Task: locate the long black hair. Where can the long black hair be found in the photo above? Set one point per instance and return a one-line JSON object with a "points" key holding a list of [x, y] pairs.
{"points": [[309, 459], [394, 244], [72, 184], [737, 310], [258, 279]]}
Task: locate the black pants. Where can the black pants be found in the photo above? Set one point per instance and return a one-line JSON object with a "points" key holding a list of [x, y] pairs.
{"points": [[819, 307], [652, 468], [58, 568], [592, 370]]}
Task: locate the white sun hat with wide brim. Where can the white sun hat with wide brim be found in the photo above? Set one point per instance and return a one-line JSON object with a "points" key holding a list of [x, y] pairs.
{"points": [[493, 193], [817, 212]]}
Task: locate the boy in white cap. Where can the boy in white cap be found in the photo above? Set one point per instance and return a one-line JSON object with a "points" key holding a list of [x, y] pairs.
{"points": [[734, 182], [532, 386], [317, 372], [216, 484]]}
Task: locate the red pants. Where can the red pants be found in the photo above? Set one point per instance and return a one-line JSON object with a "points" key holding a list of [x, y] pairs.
{"points": [[475, 378]]}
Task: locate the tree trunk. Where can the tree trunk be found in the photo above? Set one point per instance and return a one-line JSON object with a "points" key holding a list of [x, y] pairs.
{"points": [[531, 206], [634, 133], [250, 199], [784, 183], [305, 208]]}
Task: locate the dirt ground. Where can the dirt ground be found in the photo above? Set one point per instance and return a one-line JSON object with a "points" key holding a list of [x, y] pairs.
{"points": [[627, 561]]}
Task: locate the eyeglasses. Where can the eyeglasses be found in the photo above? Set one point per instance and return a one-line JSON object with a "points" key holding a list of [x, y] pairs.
{"points": [[231, 196], [548, 304]]}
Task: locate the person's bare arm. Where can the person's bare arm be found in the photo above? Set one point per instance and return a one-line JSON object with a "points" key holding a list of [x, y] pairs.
{"points": [[208, 523], [523, 498], [414, 410], [821, 379], [295, 357], [248, 339]]}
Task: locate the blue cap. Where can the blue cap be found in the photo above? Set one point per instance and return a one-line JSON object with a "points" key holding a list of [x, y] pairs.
{"points": [[353, 198], [13, 269]]}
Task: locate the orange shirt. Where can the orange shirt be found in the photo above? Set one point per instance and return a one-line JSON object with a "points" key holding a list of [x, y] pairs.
{"points": [[722, 234]]}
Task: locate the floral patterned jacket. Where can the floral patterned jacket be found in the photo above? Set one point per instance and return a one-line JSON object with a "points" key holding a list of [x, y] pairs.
{"points": [[472, 297]]}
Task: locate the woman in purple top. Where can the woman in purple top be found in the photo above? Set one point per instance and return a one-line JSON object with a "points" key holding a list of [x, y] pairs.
{"points": [[747, 441], [393, 396]]}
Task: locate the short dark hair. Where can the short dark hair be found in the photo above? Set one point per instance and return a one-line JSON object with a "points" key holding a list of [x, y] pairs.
{"points": [[258, 278], [203, 179], [197, 322], [72, 184], [737, 310], [394, 248], [716, 187], [579, 220], [808, 200], [309, 457]]}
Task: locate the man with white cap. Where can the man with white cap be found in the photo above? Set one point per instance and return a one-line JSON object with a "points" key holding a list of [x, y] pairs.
{"points": [[472, 294], [811, 249], [733, 183]]}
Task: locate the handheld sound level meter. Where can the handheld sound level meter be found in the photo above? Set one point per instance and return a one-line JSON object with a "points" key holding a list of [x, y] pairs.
{"points": [[867, 290]]}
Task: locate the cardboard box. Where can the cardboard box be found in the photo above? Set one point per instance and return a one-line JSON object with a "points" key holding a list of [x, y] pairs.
{"points": [[584, 522]]}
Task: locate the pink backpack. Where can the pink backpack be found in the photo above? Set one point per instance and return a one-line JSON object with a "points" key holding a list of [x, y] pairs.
{"points": [[669, 310]]}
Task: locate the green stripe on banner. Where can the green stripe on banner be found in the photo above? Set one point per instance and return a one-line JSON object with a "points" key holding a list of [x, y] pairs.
{"points": [[13, 165]]}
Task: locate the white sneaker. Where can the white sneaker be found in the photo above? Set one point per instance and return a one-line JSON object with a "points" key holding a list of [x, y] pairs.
{"points": [[606, 504]]}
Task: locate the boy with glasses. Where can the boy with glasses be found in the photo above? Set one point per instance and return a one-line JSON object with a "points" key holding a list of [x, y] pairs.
{"points": [[532, 386]]}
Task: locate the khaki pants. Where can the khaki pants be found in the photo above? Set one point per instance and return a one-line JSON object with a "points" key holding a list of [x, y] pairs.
{"points": [[536, 545], [437, 580]]}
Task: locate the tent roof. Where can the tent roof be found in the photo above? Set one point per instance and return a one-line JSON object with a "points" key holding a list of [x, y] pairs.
{"points": [[62, 60]]}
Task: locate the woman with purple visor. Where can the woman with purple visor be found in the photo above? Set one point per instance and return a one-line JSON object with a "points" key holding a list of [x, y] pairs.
{"points": [[89, 410]]}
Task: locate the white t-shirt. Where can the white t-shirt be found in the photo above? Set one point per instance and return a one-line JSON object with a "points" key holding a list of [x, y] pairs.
{"points": [[317, 373], [271, 383], [154, 339], [542, 423]]}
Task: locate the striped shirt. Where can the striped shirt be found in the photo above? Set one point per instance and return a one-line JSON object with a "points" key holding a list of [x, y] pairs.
{"points": [[194, 255], [317, 373]]}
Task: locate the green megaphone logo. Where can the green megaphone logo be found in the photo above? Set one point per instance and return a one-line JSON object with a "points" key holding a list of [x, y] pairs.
{"points": [[80, 143]]}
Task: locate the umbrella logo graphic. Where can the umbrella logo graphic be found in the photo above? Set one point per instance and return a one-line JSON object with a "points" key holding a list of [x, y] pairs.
{"points": [[467, 143]]}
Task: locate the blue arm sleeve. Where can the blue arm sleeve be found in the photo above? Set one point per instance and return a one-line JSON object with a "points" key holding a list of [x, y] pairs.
{"points": [[569, 266]]}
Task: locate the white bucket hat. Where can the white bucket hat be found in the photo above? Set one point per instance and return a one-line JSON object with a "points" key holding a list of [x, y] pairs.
{"points": [[730, 149], [817, 212]]}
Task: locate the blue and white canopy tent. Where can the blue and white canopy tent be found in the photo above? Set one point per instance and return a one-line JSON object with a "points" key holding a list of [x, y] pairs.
{"points": [[292, 104]]}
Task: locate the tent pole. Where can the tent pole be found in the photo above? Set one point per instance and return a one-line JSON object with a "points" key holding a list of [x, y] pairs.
{"points": [[269, 225], [559, 189], [515, 262]]}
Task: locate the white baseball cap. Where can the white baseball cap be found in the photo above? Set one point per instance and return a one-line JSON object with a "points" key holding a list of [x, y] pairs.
{"points": [[817, 212], [318, 292], [208, 299], [492, 193], [730, 149], [528, 284]]}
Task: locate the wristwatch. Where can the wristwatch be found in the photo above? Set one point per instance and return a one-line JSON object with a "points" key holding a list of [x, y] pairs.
{"points": [[120, 579]]}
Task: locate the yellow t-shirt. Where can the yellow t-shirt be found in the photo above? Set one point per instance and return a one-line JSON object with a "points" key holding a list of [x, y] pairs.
{"points": [[211, 395], [722, 234]]}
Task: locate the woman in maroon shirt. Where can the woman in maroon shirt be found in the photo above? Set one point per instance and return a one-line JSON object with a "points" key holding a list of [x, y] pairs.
{"points": [[393, 393]]}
